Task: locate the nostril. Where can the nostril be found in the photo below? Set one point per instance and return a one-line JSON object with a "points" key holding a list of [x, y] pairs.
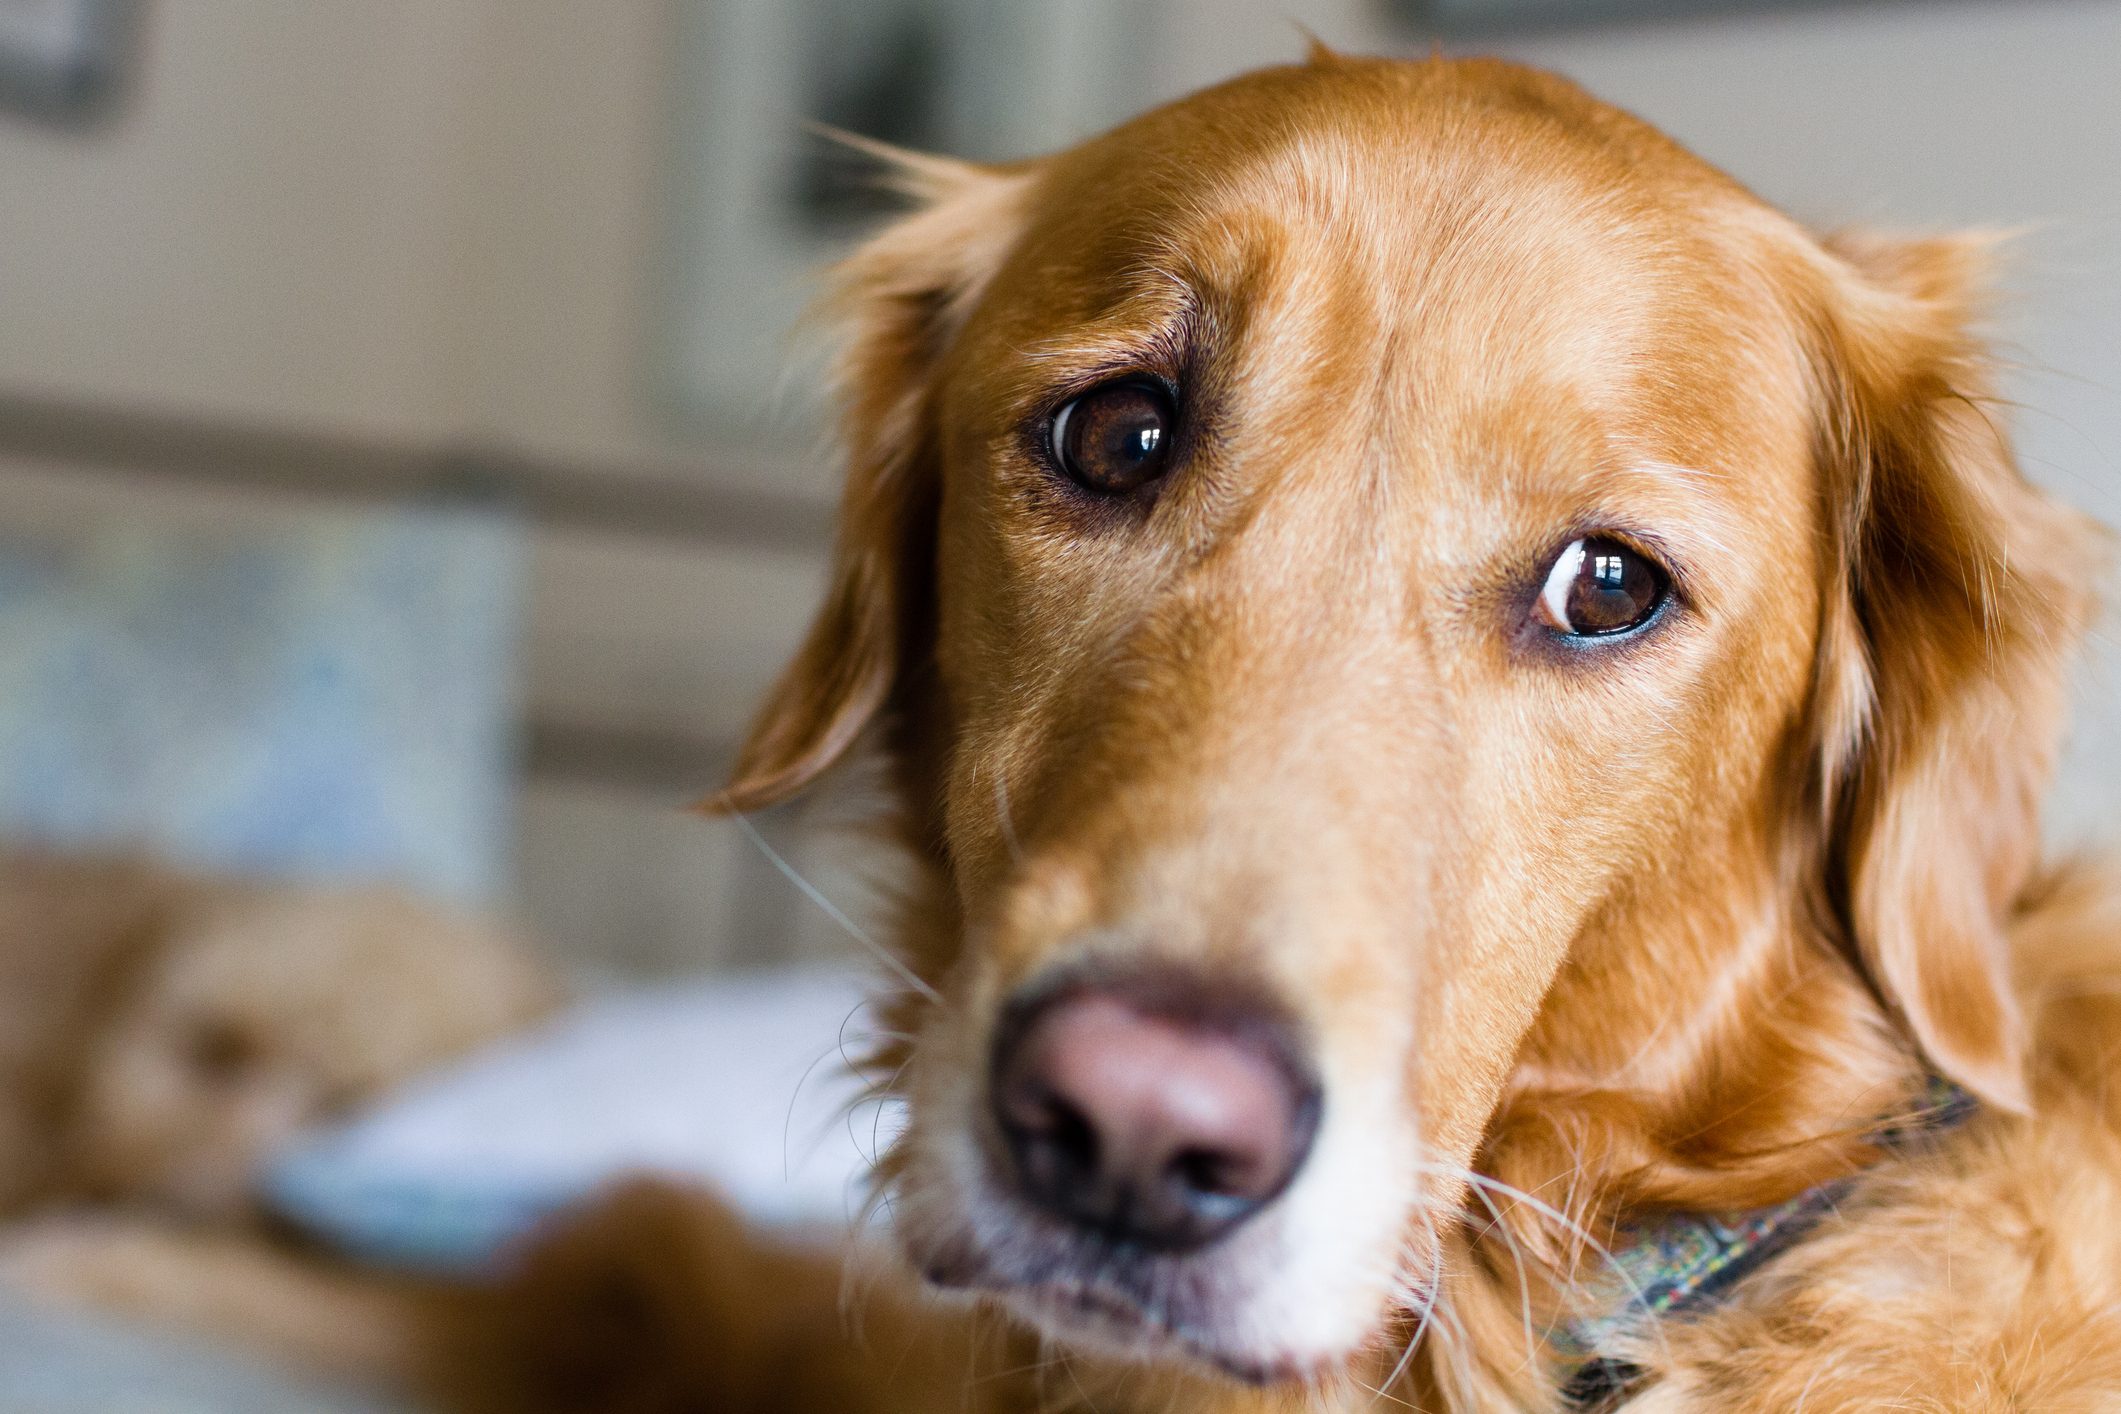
{"points": [[1072, 1137], [1052, 1141], [1206, 1171], [1146, 1116]]}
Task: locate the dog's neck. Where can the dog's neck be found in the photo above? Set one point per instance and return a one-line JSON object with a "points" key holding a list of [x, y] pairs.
{"points": [[1730, 1092], [1751, 1066]]}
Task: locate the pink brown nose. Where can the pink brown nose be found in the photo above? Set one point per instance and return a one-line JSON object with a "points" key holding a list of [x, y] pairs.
{"points": [[1151, 1123]]}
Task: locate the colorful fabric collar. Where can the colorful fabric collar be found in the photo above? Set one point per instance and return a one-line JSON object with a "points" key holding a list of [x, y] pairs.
{"points": [[1683, 1260]]}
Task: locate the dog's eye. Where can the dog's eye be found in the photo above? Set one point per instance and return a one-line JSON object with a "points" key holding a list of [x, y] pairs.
{"points": [[1600, 587], [1115, 438]]}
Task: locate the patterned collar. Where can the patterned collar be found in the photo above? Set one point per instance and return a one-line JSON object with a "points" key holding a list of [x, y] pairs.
{"points": [[1683, 1260]]}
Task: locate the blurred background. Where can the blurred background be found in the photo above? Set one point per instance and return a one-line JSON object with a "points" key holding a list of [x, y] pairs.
{"points": [[502, 290], [408, 468]]}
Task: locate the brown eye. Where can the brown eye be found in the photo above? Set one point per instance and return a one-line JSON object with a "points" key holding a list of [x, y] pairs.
{"points": [[1600, 587], [1115, 438]]}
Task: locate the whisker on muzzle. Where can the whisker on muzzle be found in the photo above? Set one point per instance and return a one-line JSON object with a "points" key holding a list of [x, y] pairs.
{"points": [[891, 961], [1582, 1241]]}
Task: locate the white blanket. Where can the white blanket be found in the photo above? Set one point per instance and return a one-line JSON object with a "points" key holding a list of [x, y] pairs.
{"points": [[740, 1083]]}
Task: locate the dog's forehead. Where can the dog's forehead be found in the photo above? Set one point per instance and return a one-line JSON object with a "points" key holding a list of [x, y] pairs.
{"points": [[1461, 240], [1394, 167], [1464, 206]]}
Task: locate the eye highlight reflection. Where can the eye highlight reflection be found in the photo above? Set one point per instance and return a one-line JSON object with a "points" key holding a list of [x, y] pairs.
{"points": [[1600, 588], [1115, 438]]}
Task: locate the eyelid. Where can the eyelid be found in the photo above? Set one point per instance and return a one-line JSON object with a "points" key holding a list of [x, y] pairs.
{"points": [[1089, 381], [1157, 339], [1659, 549]]}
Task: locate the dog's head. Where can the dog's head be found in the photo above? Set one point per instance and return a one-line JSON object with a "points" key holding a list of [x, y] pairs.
{"points": [[254, 1012], [1389, 584]]}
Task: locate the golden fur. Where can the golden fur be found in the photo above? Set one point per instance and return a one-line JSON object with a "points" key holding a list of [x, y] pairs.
{"points": [[1676, 929], [1573, 941], [161, 1033]]}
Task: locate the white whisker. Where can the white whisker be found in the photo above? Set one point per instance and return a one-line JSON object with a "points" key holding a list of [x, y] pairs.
{"points": [[1635, 1294], [810, 891], [1007, 825], [1524, 1278]]}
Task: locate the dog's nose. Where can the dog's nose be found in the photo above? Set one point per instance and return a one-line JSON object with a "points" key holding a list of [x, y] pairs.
{"points": [[1148, 1119]]}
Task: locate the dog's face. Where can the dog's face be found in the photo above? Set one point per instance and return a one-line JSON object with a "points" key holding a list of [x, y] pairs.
{"points": [[1339, 552], [259, 1012]]}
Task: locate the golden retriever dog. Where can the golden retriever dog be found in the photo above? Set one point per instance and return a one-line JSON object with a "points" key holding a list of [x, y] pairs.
{"points": [[1471, 703], [161, 1034]]}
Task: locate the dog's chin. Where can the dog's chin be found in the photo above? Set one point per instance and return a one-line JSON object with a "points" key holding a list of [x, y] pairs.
{"points": [[1098, 1321], [1128, 1307]]}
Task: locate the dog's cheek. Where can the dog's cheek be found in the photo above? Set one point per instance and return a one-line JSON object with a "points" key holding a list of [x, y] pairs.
{"points": [[935, 1177]]}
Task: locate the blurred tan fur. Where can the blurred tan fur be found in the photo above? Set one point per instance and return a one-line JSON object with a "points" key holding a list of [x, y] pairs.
{"points": [[161, 1033]]}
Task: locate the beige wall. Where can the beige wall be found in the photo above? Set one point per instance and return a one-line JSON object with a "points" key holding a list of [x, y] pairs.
{"points": [[404, 219], [255, 234], [423, 221], [557, 239], [442, 218]]}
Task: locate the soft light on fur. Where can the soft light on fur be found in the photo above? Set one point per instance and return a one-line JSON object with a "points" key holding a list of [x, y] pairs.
{"points": [[1573, 934], [162, 1034], [1439, 315], [1678, 927]]}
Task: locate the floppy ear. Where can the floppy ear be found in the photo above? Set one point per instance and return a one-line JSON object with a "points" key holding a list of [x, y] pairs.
{"points": [[1962, 592], [899, 300]]}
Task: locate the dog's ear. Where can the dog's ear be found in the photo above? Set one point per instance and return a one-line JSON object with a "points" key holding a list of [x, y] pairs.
{"points": [[1960, 594], [897, 302]]}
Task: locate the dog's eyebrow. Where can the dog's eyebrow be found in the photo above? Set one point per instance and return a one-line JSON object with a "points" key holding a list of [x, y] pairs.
{"points": [[1708, 524], [1656, 466], [1153, 321]]}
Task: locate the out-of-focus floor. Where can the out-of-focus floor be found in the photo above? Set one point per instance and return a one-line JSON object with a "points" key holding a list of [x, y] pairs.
{"points": [[55, 1363]]}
